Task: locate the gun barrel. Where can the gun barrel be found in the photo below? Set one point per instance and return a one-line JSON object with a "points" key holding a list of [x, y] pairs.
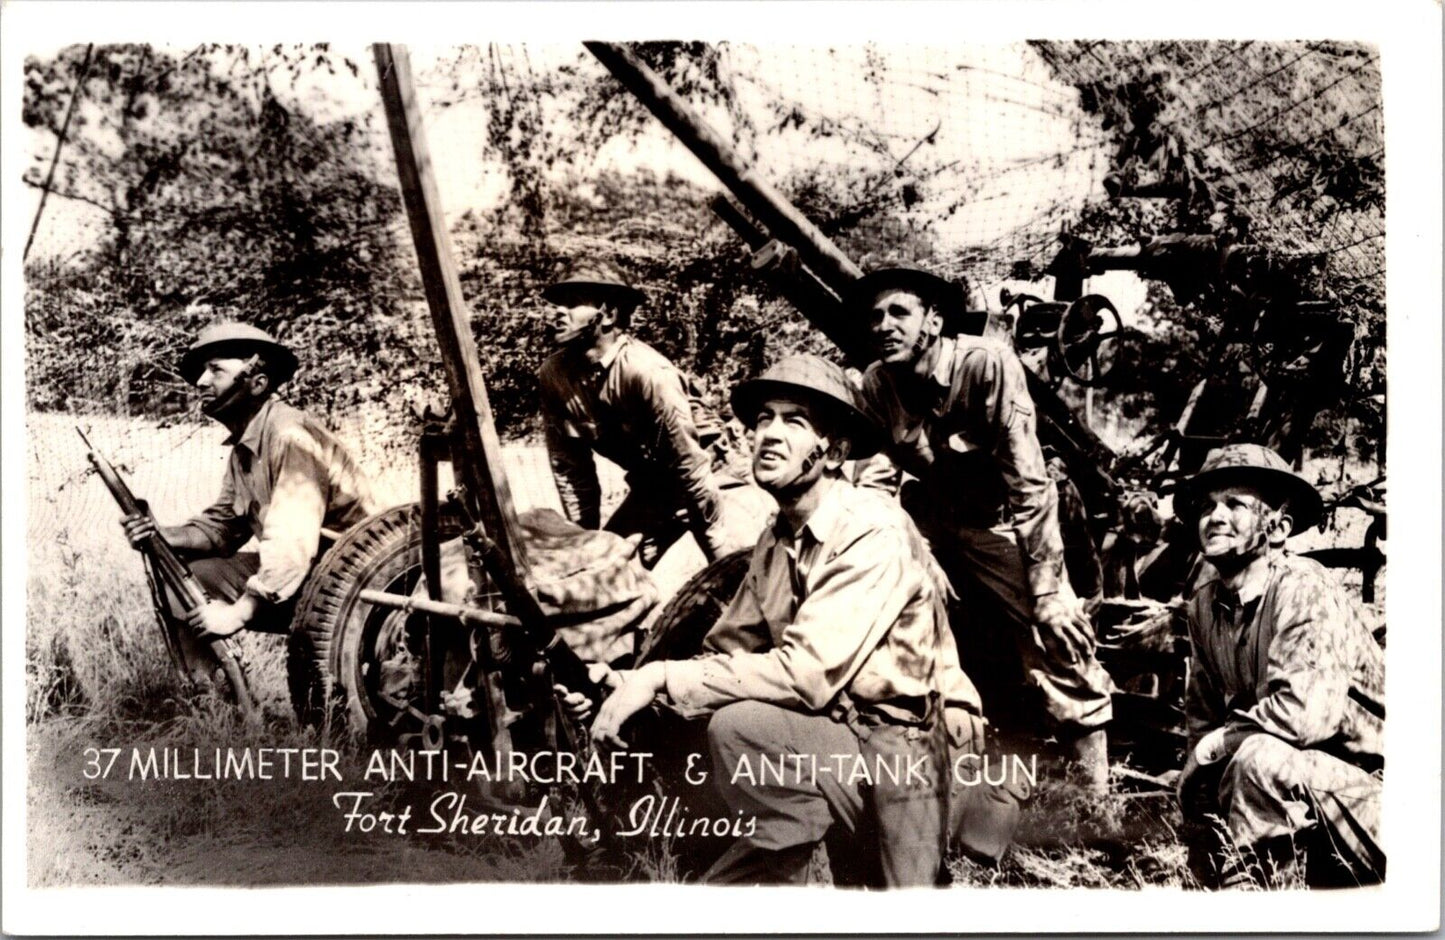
{"points": [[777, 214], [803, 289], [1126, 258], [829, 272]]}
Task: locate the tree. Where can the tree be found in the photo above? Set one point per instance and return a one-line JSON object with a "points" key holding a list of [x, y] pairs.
{"points": [[220, 197]]}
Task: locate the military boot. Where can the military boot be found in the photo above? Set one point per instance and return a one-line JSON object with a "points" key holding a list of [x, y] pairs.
{"points": [[1088, 755]]}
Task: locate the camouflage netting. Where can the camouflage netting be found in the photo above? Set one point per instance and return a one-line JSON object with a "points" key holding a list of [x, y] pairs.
{"points": [[1280, 143], [227, 181]]}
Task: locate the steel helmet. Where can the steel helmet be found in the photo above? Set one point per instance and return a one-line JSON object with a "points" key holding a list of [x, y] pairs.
{"points": [[945, 296], [589, 280], [813, 379], [1249, 465], [237, 340]]}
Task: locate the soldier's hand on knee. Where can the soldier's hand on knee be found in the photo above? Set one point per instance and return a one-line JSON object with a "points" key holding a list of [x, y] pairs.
{"points": [[636, 689], [1063, 630], [218, 619], [967, 732]]}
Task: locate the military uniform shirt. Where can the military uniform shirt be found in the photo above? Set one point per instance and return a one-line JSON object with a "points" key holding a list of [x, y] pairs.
{"points": [[633, 408], [287, 478], [1296, 661], [972, 442], [852, 602]]}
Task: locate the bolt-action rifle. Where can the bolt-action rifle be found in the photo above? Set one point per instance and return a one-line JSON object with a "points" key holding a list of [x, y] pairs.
{"points": [[170, 577]]}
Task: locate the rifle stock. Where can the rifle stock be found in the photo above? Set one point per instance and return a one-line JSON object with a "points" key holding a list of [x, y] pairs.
{"points": [[165, 569]]}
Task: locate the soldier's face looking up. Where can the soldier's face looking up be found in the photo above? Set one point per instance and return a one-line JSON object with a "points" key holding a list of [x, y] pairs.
{"points": [[571, 322], [222, 383], [1235, 524], [789, 450], [901, 326]]}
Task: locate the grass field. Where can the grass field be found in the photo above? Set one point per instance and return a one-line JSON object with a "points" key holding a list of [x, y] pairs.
{"points": [[97, 676]]}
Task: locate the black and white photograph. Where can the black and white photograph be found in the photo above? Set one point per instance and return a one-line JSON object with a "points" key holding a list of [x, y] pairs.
{"points": [[461, 455]]}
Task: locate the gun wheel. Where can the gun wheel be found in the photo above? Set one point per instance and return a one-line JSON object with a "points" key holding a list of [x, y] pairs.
{"points": [[357, 666], [679, 629], [1086, 343]]}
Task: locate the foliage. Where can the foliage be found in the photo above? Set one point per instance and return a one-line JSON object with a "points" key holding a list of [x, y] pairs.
{"points": [[220, 198], [1271, 144], [227, 190]]}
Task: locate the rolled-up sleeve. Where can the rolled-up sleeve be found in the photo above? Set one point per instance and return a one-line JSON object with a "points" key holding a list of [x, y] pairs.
{"points": [[291, 533], [836, 627], [1032, 496]]}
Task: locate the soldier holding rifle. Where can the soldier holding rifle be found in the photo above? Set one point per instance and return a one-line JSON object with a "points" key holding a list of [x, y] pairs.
{"points": [[288, 482], [957, 416], [604, 390], [1285, 704]]}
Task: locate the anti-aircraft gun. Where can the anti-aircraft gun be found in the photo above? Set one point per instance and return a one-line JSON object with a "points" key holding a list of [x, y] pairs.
{"points": [[813, 273], [1268, 301], [1270, 305], [1273, 315]]}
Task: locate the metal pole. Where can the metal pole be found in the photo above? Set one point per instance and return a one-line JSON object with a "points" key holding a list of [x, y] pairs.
{"points": [[439, 608]]}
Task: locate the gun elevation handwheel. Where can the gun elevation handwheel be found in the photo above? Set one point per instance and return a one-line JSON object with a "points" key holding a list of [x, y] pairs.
{"points": [[1086, 344]]}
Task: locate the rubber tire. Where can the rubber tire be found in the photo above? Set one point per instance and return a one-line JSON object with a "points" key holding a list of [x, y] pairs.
{"points": [[324, 652], [678, 631]]}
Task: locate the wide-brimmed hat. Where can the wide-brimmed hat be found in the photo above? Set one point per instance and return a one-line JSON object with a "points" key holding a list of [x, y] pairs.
{"points": [[237, 340], [815, 379], [1249, 465], [586, 281], [943, 295]]}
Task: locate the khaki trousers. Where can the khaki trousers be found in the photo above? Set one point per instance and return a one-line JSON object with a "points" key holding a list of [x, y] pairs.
{"points": [[900, 826], [992, 624]]}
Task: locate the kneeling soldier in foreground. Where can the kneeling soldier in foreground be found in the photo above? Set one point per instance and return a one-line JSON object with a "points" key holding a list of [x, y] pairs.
{"points": [[1285, 701], [835, 650], [287, 480]]}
